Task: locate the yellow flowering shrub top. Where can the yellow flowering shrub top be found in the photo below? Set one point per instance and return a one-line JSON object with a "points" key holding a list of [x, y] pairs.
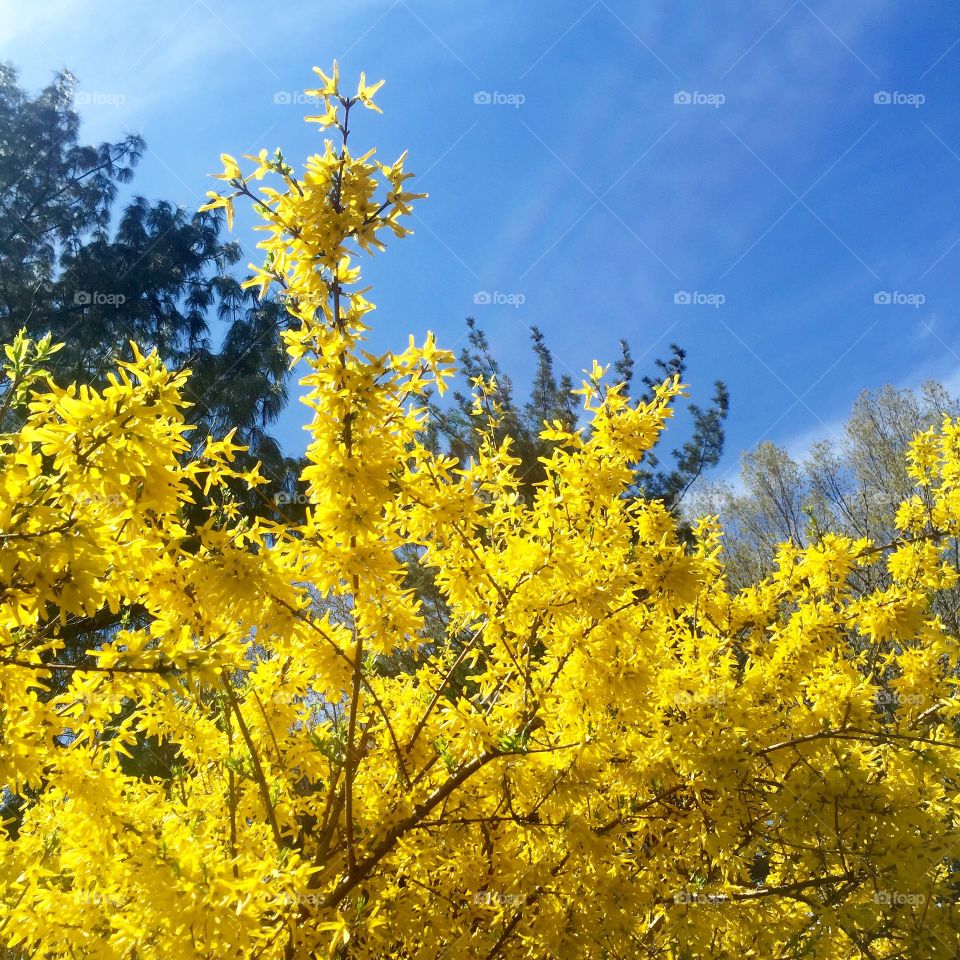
{"points": [[611, 756]]}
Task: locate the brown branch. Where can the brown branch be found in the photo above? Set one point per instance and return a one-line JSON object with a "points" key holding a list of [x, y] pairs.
{"points": [[531, 898], [863, 736], [266, 720], [351, 759], [231, 796], [409, 822], [258, 774], [439, 691], [38, 533], [788, 888], [14, 662]]}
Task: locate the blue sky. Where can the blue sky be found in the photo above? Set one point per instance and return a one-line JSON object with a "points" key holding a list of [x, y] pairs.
{"points": [[733, 157]]}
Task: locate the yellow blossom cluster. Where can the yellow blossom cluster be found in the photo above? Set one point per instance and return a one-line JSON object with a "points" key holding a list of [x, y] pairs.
{"points": [[610, 754]]}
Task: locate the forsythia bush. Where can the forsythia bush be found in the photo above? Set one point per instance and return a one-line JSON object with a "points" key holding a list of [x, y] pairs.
{"points": [[611, 756]]}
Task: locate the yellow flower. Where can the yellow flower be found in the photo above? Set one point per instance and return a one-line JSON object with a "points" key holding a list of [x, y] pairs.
{"points": [[231, 169], [216, 201], [331, 84], [366, 92]]}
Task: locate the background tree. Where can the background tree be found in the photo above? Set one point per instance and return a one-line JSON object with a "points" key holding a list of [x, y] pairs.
{"points": [[700, 452], [852, 484], [96, 276], [459, 427]]}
